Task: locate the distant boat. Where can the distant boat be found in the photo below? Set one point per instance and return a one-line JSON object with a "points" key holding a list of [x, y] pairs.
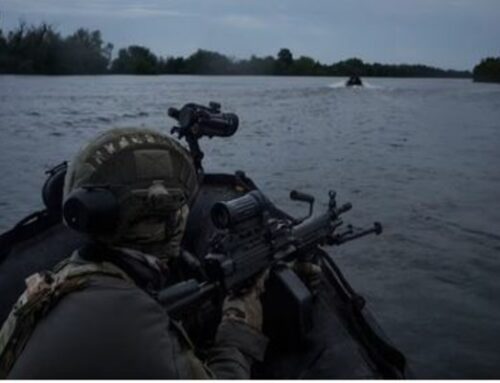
{"points": [[354, 81]]}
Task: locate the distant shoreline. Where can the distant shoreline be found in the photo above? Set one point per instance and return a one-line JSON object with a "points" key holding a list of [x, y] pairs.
{"points": [[42, 50], [232, 75]]}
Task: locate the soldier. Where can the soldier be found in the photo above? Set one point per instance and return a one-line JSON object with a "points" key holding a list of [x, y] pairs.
{"points": [[95, 315]]}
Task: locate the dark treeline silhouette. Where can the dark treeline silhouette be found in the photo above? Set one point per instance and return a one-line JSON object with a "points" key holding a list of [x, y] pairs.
{"points": [[42, 50], [488, 70]]}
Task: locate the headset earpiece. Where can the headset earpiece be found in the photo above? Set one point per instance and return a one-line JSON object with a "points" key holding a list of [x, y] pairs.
{"points": [[91, 210]]}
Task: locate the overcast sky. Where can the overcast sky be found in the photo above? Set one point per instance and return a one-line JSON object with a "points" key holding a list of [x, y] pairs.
{"points": [[446, 33]]}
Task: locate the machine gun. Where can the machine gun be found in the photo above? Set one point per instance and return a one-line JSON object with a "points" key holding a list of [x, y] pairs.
{"points": [[251, 239], [252, 235]]}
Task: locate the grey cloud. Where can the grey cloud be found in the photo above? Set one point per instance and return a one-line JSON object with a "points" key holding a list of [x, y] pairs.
{"points": [[94, 8], [244, 21], [449, 33]]}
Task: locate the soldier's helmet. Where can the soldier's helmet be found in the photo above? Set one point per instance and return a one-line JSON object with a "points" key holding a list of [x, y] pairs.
{"points": [[132, 188]]}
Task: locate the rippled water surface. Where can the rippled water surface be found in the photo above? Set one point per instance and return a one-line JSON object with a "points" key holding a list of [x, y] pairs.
{"points": [[421, 156]]}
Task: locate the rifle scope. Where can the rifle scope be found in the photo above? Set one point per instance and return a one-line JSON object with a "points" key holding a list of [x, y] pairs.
{"points": [[208, 121], [228, 214]]}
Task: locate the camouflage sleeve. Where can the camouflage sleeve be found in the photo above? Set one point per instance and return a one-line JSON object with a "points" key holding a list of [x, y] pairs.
{"points": [[237, 346]]}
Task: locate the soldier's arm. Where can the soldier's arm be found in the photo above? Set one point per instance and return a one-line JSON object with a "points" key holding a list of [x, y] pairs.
{"points": [[237, 346], [239, 340]]}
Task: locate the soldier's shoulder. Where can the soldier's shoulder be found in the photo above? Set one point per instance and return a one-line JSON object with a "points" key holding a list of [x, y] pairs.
{"points": [[109, 329]]}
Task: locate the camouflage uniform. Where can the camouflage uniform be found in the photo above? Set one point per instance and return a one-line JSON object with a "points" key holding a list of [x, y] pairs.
{"points": [[96, 316]]}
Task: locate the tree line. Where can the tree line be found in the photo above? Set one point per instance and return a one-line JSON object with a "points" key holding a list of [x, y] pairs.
{"points": [[488, 70], [42, 50]]}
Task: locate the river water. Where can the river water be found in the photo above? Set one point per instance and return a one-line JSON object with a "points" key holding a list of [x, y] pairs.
{"points": [[422, 156]]}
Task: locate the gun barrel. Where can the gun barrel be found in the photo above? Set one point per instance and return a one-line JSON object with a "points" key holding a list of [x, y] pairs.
{"points": [[344, 208], [313, 231]]}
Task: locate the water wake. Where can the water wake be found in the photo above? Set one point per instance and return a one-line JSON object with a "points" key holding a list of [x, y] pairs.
{"points": [[341, 84]]}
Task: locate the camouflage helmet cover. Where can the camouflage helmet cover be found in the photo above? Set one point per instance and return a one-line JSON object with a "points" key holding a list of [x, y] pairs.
{"points": [[133, 159]]}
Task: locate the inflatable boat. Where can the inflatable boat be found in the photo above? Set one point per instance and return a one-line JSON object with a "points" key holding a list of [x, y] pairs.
{"points": [[354, 81], [344, 341]]}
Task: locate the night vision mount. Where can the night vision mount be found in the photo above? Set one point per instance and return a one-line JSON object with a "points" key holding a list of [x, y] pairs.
{"points": [[196, 121]]}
